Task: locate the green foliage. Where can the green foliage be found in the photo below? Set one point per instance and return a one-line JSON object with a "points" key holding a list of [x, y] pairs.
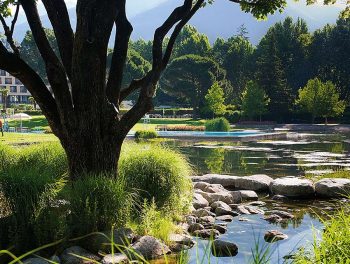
{"points": [[336, 174], [217, 125], [157, 173], [145, 134], [215, 99], [97, 202], [254, 101], [320, 99], [334, 246]]}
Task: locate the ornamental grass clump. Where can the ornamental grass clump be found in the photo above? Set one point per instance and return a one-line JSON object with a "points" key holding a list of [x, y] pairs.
{"points": [[145, 134], [157, 173], [217, 125]]}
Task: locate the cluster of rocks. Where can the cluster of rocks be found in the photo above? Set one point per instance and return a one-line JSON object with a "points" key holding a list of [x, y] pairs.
{"points": [[290, 187], [129, 247]]}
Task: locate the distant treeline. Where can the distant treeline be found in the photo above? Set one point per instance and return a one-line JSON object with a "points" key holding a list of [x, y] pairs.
{"points": [[286, 58]]}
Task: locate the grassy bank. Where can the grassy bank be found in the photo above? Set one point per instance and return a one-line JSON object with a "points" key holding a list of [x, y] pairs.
{"points": [[336, 174], [40, 205]]}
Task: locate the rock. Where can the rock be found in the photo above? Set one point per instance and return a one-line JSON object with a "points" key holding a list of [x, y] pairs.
{"points": [[332, 187], [222, 211], [274, 235], [279, 197], [241, 209], [221, 248], [254, 210], [202, 212], [206, 220], [257, 203], [195, 227], [150, 247], [225, 218], [243, 219], [99, 242], [214, 188], [293, 187], [190, 220], [237, 197], [116, 258], [207, 233], [226, 181], [222, 229], [69, 256], [217, 204], [282, 214], [199, 201], [258, 183], [248, 195], [273, 218], [200, 185], [223, 196], [180, 242]]}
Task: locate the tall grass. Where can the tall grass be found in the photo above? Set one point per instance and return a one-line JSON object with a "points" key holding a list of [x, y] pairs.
{"points": [[336, 174], [157, 173]]}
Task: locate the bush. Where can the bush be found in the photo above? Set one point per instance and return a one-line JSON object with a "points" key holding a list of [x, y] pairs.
{"points": [[145, 134], [157, 173], [97, 203], [218, 124]]}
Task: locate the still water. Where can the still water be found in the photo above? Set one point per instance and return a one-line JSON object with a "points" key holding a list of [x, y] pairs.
{"points": [[300, 154]]}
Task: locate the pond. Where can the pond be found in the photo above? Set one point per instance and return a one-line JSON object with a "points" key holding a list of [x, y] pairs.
{"points": [[298, 155]]}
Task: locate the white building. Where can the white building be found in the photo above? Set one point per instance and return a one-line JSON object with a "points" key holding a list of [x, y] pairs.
{"points": [[18, 93]]}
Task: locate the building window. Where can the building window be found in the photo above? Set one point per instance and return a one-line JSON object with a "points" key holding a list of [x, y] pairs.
{"points": [[8, 80], [13, 89], [23, 89], [18, 82], [2, 73]]}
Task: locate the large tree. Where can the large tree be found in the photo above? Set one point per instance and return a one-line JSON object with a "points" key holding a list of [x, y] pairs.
{"points": [[83, 110]]}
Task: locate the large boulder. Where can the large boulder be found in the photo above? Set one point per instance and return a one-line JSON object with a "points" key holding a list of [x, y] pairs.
{"points": [[202, 212], [225, 218], [332, 187], [247, 195], [217, 204], [226, 181], [180, 242], [199, 201], [223, 196], [150, 247], [195, 227], [274, 235], [221, 248], [219, 211], [293, 187], [258, 183], [78, 255]]}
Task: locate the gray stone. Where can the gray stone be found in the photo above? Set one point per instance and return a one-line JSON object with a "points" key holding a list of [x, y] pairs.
{"points": [[241, 209], [217, 204], [225, 218], [150, 247], [226, 181], [259, 183], [243, 219], [116, 258], [195, 227], [206, 220], [214, 188], [200, 185], [293, 187], [274, 235], [221, 248], [181, 240], [254, 210], [237, 197], [282, 214], [219, 211], [222, 229], [249, 195], [207, 233], [279, 197], [69, 256], [199, 201], [332, 187], [202, 212], [223, 196], [273, 218], [191, 219], [257, 203]]}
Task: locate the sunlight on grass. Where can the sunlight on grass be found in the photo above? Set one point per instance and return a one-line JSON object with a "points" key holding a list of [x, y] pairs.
{"points": [[336, 174], [26, 138]]}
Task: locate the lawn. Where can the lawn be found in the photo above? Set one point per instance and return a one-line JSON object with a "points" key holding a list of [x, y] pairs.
{"points": [[24, 138], [36, 121]]}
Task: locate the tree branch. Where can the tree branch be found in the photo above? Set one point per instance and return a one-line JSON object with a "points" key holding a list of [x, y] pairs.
{"points": [[9, 31], [18, 68], [59, 17], [121, 43], [54, 69]]}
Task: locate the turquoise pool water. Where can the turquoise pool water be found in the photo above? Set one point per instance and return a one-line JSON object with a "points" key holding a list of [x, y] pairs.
{"points": [[245, 133]]}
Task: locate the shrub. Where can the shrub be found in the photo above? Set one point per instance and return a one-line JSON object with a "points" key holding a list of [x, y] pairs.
{"points": [[145, 134], [158, 173], [97, 202], [218, 124]]}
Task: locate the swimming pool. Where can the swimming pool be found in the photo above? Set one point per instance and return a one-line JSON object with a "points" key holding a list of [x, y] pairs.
{"points": [[239, 134]]}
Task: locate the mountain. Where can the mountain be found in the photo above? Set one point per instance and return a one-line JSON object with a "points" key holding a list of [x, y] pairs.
{"points": [[218, 20]]}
